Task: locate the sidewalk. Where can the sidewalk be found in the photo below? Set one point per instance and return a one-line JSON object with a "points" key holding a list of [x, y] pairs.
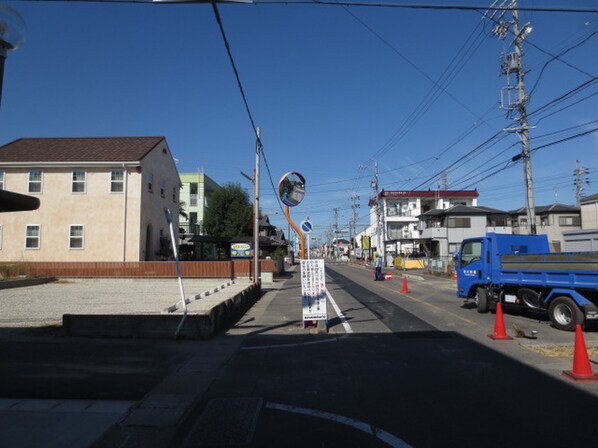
{"points": [[157, 419], [31, 421]]}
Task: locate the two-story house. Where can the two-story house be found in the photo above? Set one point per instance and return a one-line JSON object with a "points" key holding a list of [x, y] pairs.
{"points": [[101, 199], [586, 238], [394, 217], [444, 229], [551, 220]]}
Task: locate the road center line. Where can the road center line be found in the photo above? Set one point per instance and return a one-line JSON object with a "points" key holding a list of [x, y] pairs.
{"points": [[431, 305], [339, 313], [384, 436]]}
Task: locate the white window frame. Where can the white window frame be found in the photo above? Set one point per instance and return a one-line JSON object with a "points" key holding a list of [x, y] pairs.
{"points": [[2, 179], [36, 182], [150, 183], [77, 182], [71, 237], [163, 188], [114, 182], [38, 237]]}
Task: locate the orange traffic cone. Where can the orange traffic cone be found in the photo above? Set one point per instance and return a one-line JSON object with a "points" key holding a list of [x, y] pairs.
{"points": [[500, 331], [582, 370], [405, 288]]}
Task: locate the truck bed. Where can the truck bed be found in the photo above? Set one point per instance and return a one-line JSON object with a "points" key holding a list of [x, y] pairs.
{"points": [[571, 270]]}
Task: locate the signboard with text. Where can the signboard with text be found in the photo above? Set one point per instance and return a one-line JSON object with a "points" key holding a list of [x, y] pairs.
{"points": [[240, 250], [313, 290]]}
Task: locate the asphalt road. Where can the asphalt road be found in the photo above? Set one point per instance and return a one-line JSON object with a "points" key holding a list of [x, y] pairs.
{"points": [[410, 369], [414, 369]]}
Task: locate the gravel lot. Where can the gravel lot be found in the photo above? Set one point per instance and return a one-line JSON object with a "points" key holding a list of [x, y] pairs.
{"points": [[44, 305]]}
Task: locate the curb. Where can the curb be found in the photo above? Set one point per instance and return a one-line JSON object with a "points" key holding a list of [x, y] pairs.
{"points": [[201, 295], [19, 283], [162, 326]]}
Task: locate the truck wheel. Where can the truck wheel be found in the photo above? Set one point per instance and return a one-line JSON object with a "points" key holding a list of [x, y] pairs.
{"points": [[481, 300], [565, 314]]}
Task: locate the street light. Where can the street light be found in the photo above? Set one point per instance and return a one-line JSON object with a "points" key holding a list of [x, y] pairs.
{"points": [[12, 35]]}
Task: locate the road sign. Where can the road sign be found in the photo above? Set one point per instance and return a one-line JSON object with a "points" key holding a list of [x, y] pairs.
{"points": [[306, 226], [313, 290]]}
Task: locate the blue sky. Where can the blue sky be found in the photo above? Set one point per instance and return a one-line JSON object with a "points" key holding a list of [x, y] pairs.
{"points": [[333, 89]]}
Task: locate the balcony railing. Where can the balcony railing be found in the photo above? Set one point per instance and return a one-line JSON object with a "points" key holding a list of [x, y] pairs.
{"points": [[189, 228], [193, 200]]}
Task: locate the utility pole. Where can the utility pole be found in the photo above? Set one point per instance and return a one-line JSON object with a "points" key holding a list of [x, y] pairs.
{"points": [[380, 231], [353, 223], [444, 180], [256, 209], [329, 237], [335, 240], [513, 64], [580, 172]]}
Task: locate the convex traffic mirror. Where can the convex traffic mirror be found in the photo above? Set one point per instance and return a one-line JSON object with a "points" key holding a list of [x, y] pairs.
{"points": [[291, 189]]}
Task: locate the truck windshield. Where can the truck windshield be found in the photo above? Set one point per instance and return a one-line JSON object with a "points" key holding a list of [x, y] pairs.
{"points": [[470, 252]]}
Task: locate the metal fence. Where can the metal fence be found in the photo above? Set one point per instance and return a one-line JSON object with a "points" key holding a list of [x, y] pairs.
{"points": [[440, 265]]}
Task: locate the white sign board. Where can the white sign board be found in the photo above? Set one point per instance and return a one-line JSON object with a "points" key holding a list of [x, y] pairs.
{"points": [[313, 290]]}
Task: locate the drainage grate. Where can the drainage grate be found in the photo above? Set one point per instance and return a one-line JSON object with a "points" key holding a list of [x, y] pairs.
{"points": [[226, 422]]}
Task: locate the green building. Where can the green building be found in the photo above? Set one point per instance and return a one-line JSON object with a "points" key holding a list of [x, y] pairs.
{"points": [[195, 194]]}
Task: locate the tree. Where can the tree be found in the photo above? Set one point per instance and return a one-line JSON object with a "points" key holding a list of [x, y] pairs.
{"points": [[229, 212], [183, 210]]}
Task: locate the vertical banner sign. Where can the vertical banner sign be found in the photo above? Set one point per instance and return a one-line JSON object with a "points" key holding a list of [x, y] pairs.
{"points": [[313, 290]]}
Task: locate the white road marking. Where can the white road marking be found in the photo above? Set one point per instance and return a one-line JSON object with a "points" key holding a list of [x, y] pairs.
{"points": [[339, 313], [384, 436], [296, 344]]}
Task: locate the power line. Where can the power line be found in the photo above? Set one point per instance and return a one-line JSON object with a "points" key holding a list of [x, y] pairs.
{"points": [[435, 6], [562, 53], [439, 86], [234, 67]]}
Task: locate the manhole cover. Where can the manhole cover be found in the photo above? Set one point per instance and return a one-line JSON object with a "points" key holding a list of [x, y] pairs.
{"points": [[226, 422]]}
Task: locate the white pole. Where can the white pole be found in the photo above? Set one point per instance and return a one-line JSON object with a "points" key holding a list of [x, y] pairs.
{"points": [[178, 270]]}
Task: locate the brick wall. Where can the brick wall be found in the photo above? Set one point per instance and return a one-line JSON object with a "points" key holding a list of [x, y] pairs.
{"points": [[198, 269]]}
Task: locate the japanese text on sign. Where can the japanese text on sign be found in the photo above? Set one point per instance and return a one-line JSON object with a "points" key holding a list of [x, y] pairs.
{"points": [[313, 290]]}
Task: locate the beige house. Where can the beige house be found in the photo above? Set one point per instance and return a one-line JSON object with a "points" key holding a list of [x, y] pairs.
{"points": [[101, 199], [589, 212], [551, 220]]}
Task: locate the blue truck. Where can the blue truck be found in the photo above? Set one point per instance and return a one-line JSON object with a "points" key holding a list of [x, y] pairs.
{"points": [[520, 270]]}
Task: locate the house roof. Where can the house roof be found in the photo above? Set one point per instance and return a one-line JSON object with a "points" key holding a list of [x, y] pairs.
{"points": [[90, 149], [587, 199], [463, 210], [547, 209]]}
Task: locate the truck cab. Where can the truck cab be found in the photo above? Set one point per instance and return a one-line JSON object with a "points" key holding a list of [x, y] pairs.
{"points": [[478, 260]]}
